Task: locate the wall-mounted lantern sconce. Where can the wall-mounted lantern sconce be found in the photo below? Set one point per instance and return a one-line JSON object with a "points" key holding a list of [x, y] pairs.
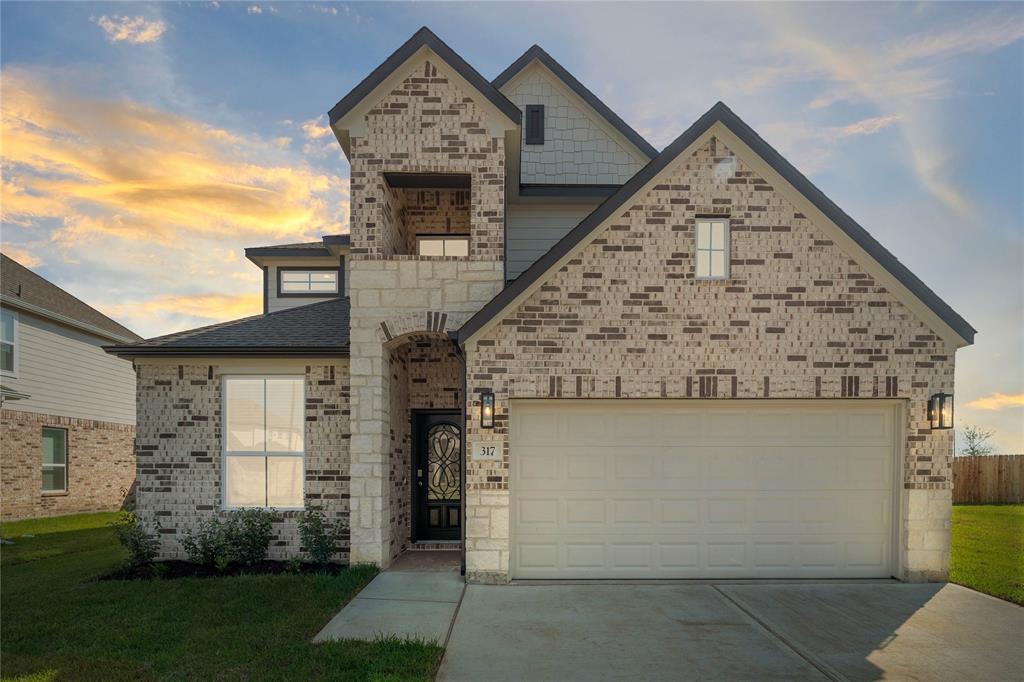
{"points": [[940, 411], [487, 410]]}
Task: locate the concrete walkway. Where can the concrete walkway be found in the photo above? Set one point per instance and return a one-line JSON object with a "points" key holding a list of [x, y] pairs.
{"points": [[769, 631], [416, 598]]}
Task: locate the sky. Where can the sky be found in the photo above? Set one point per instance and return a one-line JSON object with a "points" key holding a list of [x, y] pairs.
{"points": [[145, 145]]}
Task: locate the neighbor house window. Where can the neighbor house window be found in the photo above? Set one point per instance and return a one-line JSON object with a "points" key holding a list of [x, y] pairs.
{"points": [[8, 332], [264, 442], [307, 281], [55, 460], [712, 249], [534, 124], [438, 245]]}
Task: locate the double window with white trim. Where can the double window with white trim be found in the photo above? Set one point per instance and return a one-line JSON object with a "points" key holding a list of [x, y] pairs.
{"points": [[264, 441], [712, 249]]}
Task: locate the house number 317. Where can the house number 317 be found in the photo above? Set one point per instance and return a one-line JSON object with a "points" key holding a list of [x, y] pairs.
{"points": [[487, 451]]}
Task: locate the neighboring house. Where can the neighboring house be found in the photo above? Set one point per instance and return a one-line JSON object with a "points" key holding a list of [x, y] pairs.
{"points": [[579, 356], [67, 423]]}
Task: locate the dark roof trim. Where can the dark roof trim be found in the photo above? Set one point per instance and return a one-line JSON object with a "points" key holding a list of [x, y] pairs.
{"points": [[719, 113], [429, 180], [222, 352], [537, 190], [538, 53], [424, 37], [337, 240], [302, 251]]}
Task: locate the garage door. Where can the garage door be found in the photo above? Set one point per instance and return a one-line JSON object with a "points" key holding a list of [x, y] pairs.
{"points": [[701, 489]]}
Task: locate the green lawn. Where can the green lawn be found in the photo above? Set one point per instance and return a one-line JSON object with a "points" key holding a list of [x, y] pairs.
{"points": [[988, 549], [59, 623]]}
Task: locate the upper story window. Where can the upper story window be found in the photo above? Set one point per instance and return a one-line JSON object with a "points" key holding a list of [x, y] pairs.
{"points": [[307, 281], [534, 124], [442, 245], [712, 249], [264, 441], [8, 341]]}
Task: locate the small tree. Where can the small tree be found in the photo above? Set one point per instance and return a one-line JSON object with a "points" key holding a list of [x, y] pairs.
{"points": [[975, 441]]}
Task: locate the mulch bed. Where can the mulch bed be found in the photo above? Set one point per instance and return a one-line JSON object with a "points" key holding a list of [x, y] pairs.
{"points": [[168, 570]]}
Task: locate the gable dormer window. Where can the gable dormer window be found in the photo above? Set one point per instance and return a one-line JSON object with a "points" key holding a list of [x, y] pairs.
{"points": [[308, 282], [534, 124], [712, 249]]}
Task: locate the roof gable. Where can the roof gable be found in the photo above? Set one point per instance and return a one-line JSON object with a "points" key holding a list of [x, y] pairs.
{"points": [[20, 287], [593, 101], [904, 284], [423, 38]]}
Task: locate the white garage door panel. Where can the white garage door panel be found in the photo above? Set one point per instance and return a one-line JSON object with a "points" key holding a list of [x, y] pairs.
{"points": [[625, 489]]}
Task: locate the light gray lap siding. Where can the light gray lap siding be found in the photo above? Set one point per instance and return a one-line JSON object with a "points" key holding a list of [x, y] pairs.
{"points": [[534, 228], [66, 373]]}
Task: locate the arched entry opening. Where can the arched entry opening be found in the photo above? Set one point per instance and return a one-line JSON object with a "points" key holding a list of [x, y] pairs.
{"points": [[424, 375]]}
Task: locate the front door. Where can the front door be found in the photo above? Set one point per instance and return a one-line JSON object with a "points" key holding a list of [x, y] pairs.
{"points": [[437, 472]]}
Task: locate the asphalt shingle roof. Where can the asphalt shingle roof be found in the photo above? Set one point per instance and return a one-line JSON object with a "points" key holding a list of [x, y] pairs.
{"points": [[316, 328], [18, 283]]}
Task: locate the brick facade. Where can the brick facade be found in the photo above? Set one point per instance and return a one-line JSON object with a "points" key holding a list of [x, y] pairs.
{"points": [[100, 473], [179, 448], [797, 318], [426, 125]]}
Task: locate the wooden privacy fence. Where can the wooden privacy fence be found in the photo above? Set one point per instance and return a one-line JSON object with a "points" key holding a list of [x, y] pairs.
{"points": [[988, 479]]}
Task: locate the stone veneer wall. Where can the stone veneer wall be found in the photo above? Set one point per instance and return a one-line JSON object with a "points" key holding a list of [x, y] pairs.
{"points": [[101, 465], [425, 374], [428, 125], [179, 448], [797, 318]]}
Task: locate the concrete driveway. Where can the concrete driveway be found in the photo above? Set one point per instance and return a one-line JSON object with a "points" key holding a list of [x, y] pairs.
{"points": [[855, 631]]}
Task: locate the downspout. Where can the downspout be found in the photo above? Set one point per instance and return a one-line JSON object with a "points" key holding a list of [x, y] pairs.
{"points": [[454, 337]]}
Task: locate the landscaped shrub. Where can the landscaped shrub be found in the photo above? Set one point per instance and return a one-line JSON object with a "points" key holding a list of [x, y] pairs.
{"points": [[249, 533], [319, 536], [207, 544], [242, 537], [141, 547]]}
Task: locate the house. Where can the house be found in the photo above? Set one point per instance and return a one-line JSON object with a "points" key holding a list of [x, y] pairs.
{"points": [[67, 423], [567, 353]]}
